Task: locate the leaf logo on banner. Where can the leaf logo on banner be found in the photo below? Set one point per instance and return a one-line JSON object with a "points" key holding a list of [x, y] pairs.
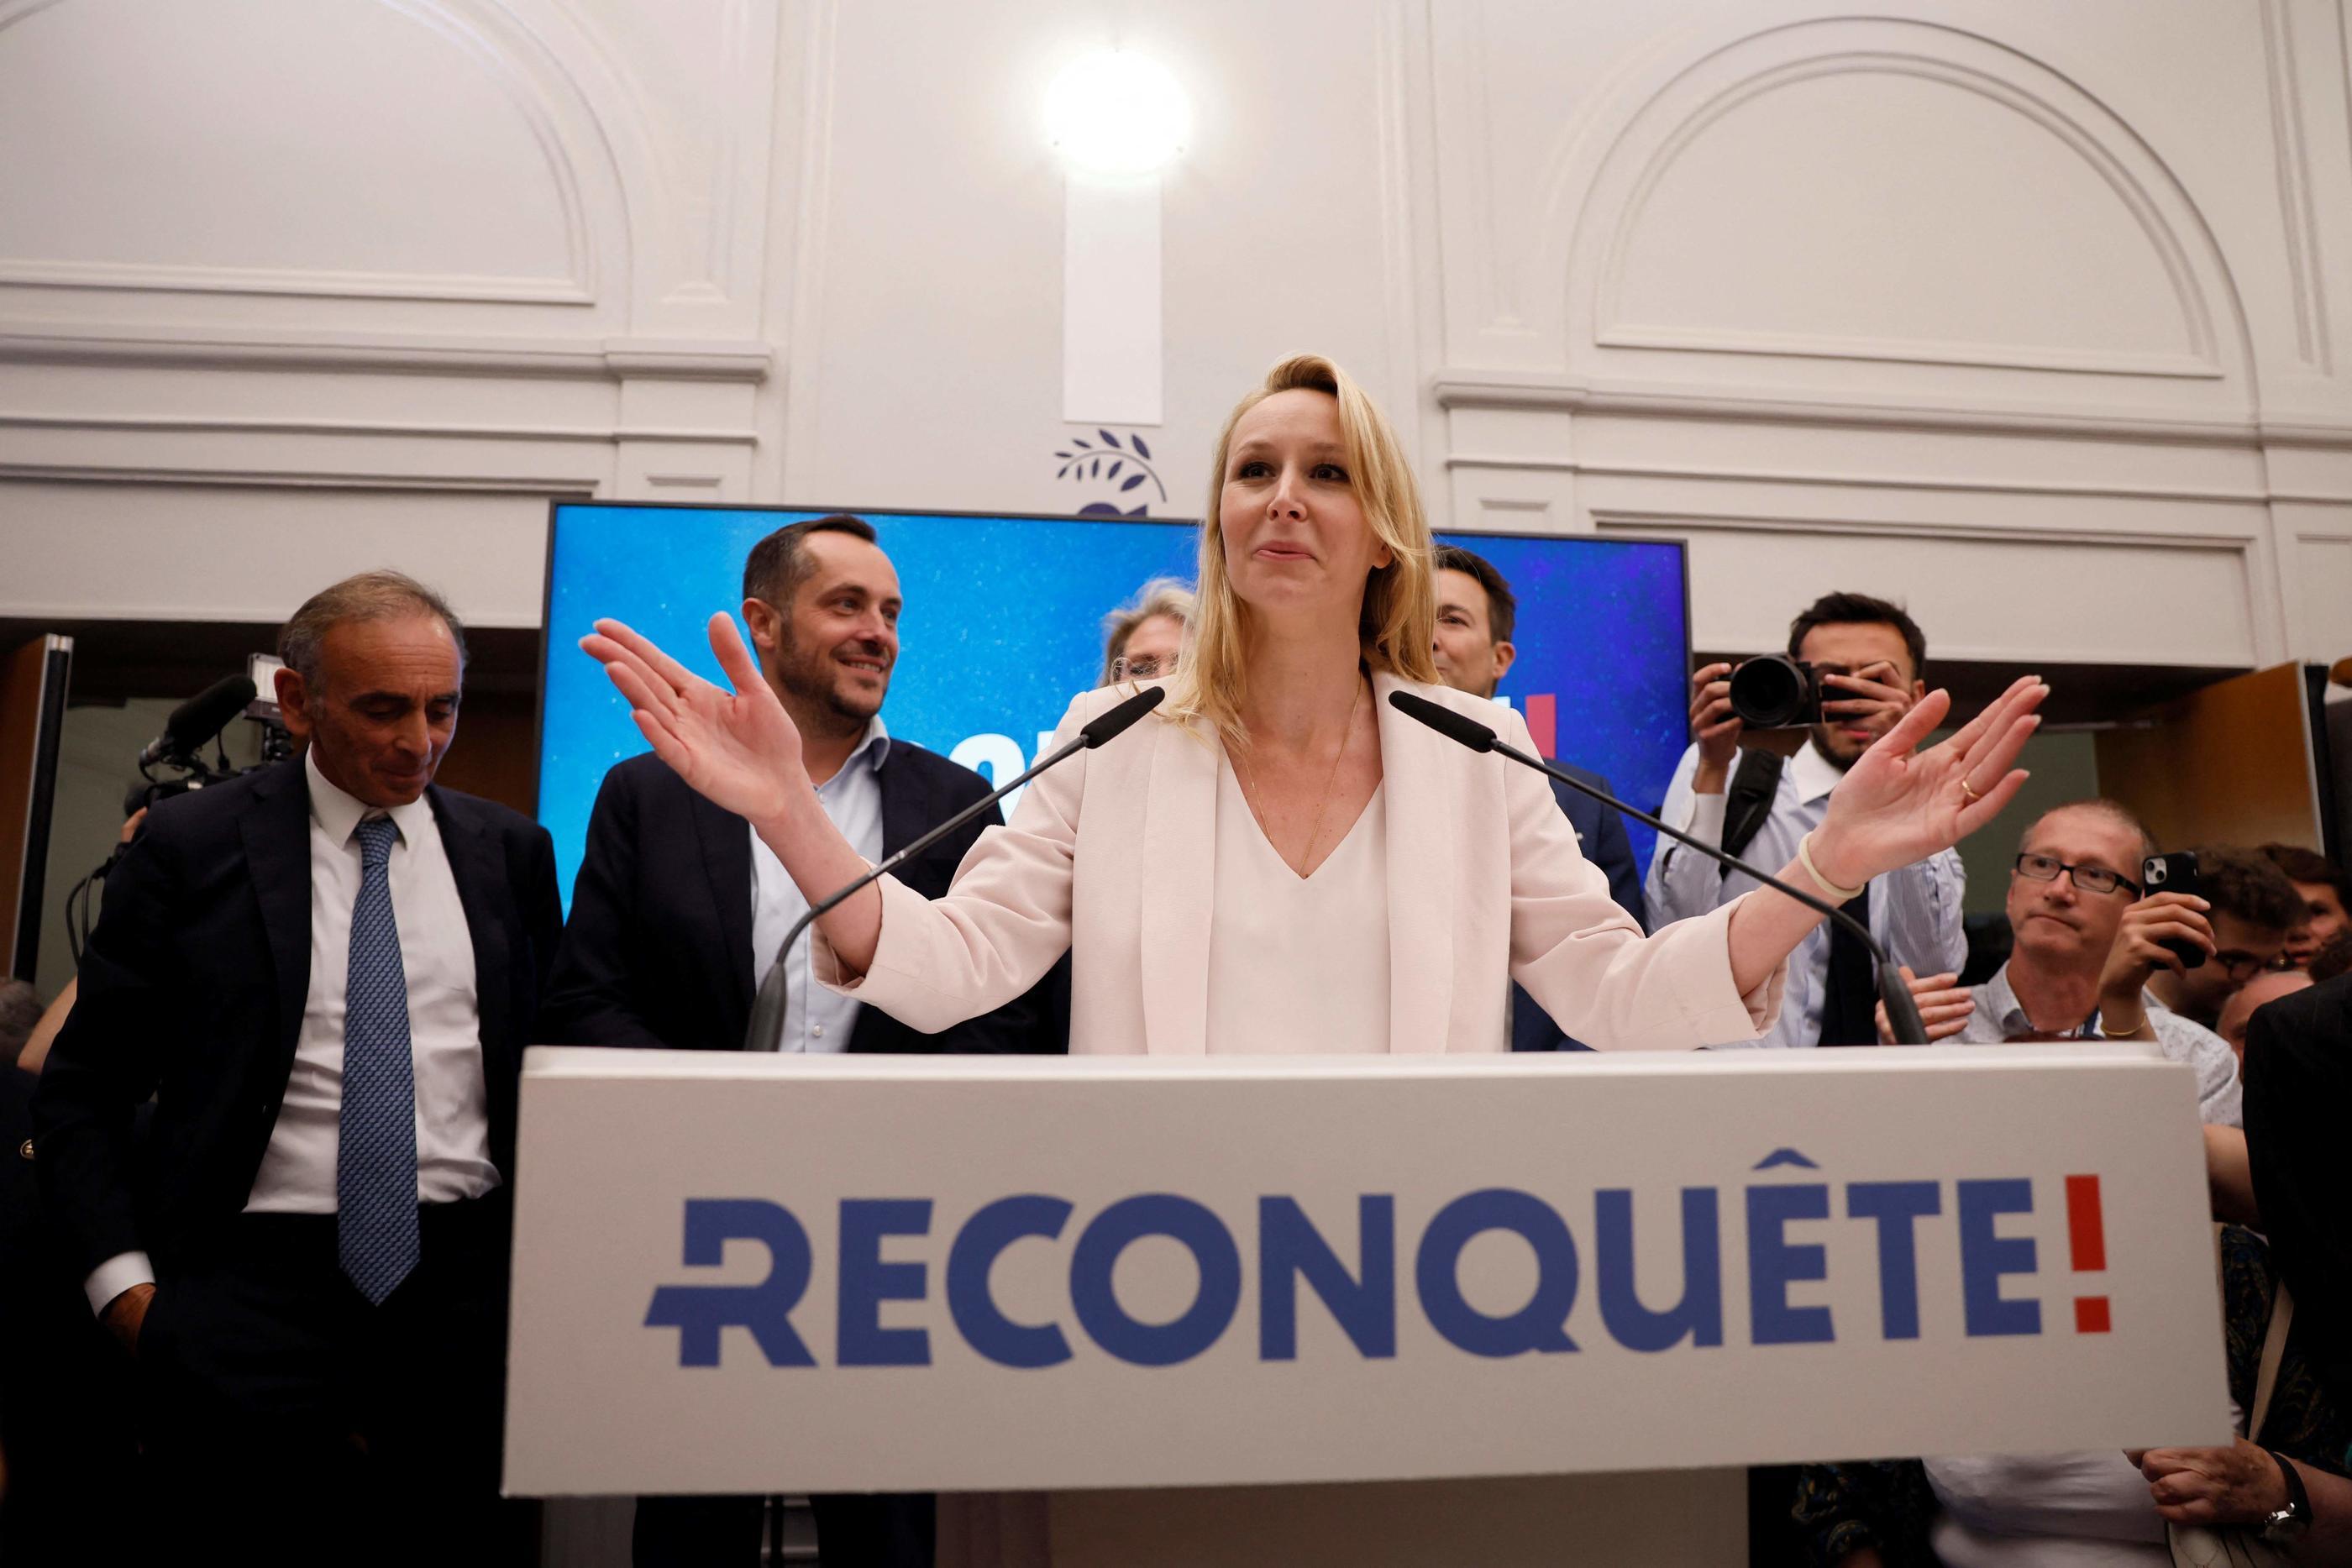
{"points": [[1128, 464]]}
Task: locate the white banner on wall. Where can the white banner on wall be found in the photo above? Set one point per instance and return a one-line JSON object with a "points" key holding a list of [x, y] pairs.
{"points": [[743, 1274]]}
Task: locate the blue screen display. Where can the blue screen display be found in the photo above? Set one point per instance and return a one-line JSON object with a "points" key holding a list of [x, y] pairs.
{"points": [[1003, 625]]}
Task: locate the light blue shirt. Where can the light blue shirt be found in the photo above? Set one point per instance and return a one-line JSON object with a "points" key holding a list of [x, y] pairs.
{"points": [[2000, 1017], [1915, 912], [816, 1019]]}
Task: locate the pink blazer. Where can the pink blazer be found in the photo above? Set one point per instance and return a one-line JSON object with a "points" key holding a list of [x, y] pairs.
{"points": [[1111, 857]]}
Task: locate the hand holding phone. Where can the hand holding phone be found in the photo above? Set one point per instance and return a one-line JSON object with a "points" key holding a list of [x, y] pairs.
{"points": [[2175, 872]]}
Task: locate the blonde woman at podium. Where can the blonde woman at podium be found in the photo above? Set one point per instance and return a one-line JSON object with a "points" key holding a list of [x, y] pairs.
{"points": [[1279, 860]]}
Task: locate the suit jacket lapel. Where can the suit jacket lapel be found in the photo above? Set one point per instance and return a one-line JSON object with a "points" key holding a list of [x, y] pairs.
{"points": [[906, 808], [1178, 889], [726, 841], [477, 868], [276, 833], [1421, 773]]}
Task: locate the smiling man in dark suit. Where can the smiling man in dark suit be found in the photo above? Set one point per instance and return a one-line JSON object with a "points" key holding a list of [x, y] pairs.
{"points": [[1477, 613], [679, 909], [325, 973]]}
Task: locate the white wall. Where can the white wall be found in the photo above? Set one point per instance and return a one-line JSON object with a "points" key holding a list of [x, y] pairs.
{"points": [[2037, 316]]}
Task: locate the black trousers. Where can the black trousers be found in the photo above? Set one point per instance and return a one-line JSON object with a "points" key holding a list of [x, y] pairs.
{"points": [[882, 1530], [290, 1421]]}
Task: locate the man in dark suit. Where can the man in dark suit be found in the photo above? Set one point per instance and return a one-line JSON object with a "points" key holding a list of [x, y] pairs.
{"points": [[679, 909], [325, 973], [2298, 1089], [1477, 613]]}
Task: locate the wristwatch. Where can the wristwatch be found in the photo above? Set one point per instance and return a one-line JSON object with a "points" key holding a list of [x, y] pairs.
{"points": [[2283, 1526]]}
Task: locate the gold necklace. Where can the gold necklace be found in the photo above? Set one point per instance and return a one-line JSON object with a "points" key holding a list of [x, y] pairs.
{"points": [[1314, 829]]}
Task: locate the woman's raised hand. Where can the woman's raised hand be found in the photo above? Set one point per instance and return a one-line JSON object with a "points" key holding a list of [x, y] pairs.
{"points": [[1898, 806], [739, 749]]}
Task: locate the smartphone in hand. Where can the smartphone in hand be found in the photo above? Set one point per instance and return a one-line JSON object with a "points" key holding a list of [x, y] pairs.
{"points": [[2175, 872]]}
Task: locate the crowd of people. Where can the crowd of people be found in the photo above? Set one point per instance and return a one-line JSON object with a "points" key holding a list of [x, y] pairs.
{"points": [[260, 1293]]}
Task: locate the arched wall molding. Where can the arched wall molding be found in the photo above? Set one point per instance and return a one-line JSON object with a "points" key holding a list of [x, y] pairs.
{"points": [[1609, 160], [1613, 329], [599, 167]]}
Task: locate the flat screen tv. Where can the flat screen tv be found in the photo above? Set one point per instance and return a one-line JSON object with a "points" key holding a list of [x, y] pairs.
{"points": [[1003, 625]]}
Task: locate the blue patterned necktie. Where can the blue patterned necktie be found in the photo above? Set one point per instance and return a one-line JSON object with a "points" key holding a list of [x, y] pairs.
{"points": [[376, 1166]]}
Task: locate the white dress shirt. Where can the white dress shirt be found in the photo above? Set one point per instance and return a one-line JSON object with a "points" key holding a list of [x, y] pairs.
{"points": [[436, 957], [1282, 945], [1915, 912], [817, 1019]]}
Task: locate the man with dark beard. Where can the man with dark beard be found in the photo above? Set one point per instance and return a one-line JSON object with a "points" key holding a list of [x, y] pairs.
{"points": [[1867, 654], [679, 909]]}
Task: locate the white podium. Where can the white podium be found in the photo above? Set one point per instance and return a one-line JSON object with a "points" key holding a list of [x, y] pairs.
{"points": [[1204, 1303]]}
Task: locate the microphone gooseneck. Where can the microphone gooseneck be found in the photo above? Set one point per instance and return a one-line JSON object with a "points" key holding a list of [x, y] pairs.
{"points": [[1901, 1011], [766, 1032]]}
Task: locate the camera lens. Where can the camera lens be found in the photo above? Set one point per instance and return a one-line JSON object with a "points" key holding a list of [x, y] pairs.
{"points": [[1770, 693]]}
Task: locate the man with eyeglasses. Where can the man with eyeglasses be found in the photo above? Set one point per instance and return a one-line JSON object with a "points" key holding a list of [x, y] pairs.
{"points": [[1143, 637], [2087, 946]]}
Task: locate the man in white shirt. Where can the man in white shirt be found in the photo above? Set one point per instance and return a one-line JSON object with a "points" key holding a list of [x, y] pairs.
{"points": [[325, 973], [2085, 946], [1867, 654]]}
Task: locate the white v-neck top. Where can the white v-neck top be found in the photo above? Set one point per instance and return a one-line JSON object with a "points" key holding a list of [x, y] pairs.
{"points": [[1297, 964]]}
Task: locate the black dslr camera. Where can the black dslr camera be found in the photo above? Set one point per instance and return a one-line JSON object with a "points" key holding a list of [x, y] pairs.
{"points": [[179, 750], [1775, 692]]}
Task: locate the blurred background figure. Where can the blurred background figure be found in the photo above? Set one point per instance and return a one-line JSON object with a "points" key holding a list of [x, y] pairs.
{"points": [[1477, 613], [2238, 1012], [1143, 637], [2253, 907], [68, 1464], [2327, 893]]}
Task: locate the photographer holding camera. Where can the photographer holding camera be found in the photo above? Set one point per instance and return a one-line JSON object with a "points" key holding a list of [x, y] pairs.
{"points": [[1852, 673]]}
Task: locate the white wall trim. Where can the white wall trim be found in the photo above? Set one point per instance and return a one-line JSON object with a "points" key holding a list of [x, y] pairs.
{"points": [[610, 358], [1819, 478], [1646, 520], [504, 68], [153, 277], [1894, 350], [2296, 210], [1920, 59], [397, 430], [558, 487], [1478, 388]]}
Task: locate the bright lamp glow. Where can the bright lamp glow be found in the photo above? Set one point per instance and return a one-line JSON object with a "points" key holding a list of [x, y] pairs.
{"points": [[1116, 113]]}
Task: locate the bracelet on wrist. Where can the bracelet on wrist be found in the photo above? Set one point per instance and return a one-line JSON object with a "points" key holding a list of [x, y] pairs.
{"points": [[1837, 894]]}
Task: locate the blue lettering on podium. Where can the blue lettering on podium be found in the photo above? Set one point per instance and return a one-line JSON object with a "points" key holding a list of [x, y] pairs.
{"points": [[1289, 1249], [1097, 1254], [699, 1312], [1537, 1326], [1700, 1314], [1895, 1205], [1294, 1258], [985, 1235], [1986, 1257], [867, 1282], [1774, 1263]]}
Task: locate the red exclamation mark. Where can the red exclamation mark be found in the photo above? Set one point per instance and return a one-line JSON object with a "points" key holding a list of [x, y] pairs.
{"points": [[1543, 722], [2087, 1238]]}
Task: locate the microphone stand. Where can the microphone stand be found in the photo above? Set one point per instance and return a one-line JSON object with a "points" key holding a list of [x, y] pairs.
{"points": [[1901, 1011], [766, 1032]]}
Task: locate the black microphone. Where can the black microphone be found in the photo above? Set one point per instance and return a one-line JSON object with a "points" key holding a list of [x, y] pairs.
{"points": [[767, 1028], [198, 719], [1901, 1012]]}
